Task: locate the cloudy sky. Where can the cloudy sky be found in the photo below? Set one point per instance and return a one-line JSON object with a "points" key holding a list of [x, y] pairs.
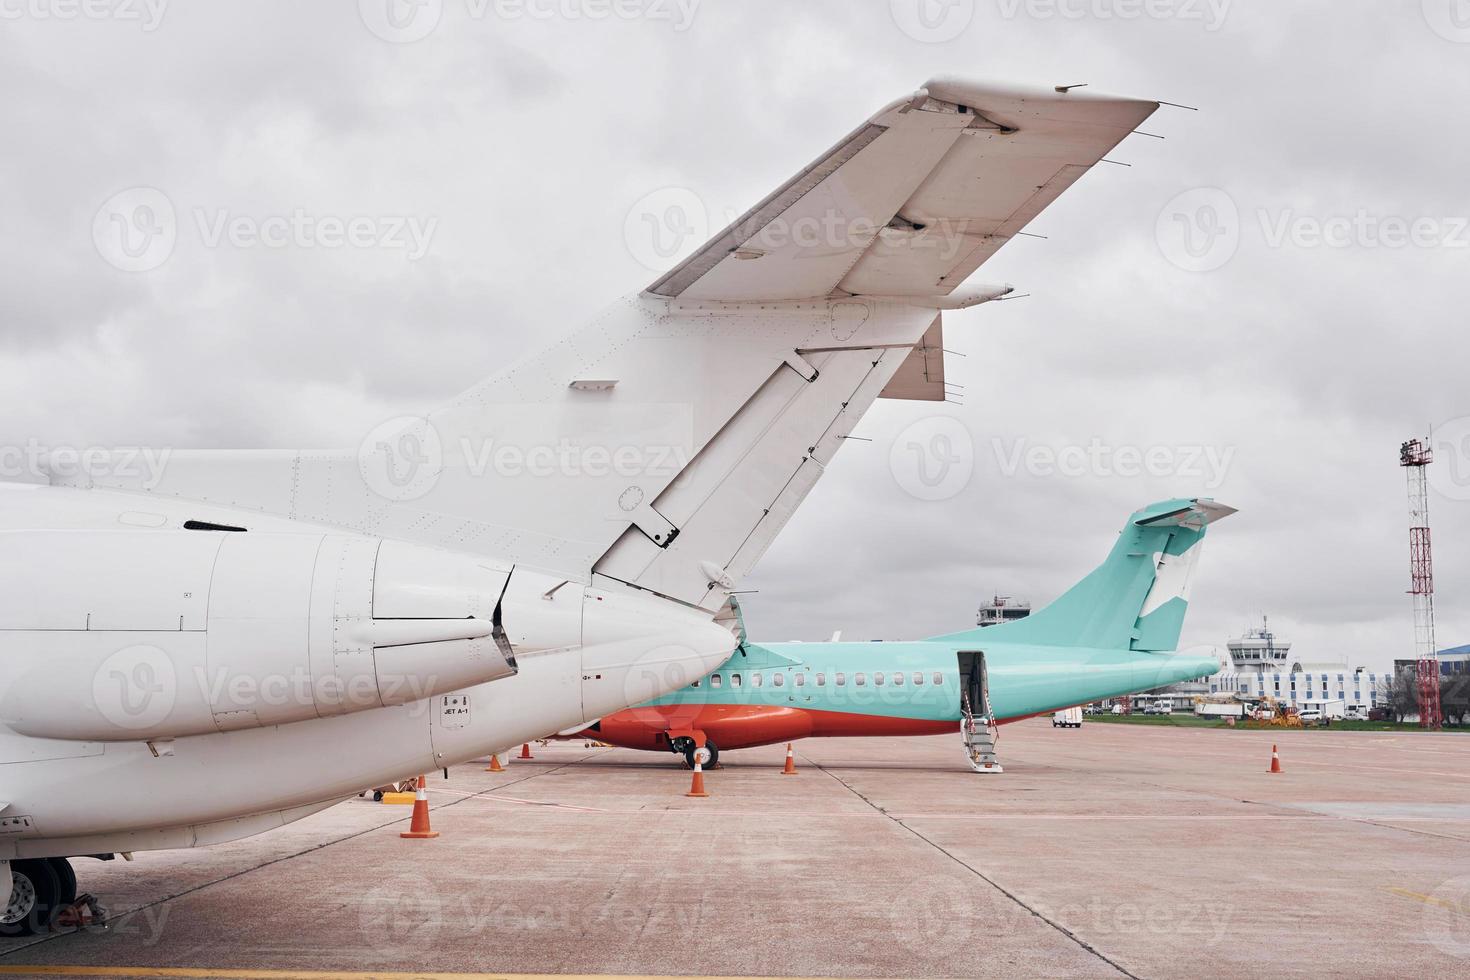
{"points": [[1263, 305]]}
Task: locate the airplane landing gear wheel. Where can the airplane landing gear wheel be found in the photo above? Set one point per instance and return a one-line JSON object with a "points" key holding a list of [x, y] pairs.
{"points": [[35, 891], [709, 756], [67, 878]]}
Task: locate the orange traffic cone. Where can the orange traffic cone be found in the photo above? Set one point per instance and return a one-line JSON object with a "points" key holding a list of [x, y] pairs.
{"points": [[790, 769], [1275, 761], [696, 785], [495, 765], [418, 825], [526, 750]]}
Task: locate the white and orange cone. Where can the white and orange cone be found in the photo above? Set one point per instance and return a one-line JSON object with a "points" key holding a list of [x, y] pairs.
{"points": [[696, 785], [418, 824], [495, 765], [1275, 760], [790, 769], [526, 751]]}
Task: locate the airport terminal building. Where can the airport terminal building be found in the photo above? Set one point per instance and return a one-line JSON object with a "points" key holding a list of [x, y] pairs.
{"points": [[1297, 688], [1260, 665]]}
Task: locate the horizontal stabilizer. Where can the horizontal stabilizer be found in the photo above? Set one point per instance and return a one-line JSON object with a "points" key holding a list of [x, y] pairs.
{"points": [[914, 200]]}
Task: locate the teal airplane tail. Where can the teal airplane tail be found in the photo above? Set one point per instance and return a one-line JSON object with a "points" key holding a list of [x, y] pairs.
{"points": [[1136, 599]]}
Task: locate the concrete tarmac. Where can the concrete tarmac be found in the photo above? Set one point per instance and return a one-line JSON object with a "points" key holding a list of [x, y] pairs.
{"points": [[1105, 851]]}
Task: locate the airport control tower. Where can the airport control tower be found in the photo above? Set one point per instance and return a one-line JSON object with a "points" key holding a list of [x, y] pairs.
{"points": [[1259, 651], [1002, 609]]}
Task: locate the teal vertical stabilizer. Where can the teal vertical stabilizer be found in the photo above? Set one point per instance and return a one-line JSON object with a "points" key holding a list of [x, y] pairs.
{"points": [[1135, 600]]}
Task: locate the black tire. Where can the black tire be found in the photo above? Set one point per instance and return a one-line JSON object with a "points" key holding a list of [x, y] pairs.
{"points": [[377, 796], [711, 747], [33, 879], [67, 878]]}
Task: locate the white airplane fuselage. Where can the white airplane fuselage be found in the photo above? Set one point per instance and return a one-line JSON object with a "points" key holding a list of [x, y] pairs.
{"points": [[212, 684]]}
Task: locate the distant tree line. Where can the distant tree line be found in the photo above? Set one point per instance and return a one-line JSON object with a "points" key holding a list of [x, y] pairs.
{"points": [[1399, 695]]}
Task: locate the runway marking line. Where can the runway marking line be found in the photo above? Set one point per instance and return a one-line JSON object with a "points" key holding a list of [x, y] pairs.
{"points": [[250, 974]]}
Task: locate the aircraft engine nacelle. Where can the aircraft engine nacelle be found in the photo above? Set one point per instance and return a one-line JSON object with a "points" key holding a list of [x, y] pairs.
{"points": [[130, 635]]}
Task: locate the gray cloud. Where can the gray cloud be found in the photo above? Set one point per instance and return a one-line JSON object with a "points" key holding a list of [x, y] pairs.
{"points": [[527, 141]]}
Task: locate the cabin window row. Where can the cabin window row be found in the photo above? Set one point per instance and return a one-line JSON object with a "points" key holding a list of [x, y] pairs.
{"points": [[819, 679]]}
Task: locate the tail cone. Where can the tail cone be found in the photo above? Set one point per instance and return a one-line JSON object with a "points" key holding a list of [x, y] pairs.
{"points": [[1275, 761], [790, 769], [418, 825]]}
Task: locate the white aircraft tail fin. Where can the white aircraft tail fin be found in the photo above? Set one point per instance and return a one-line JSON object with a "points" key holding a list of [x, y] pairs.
{"points": [[665, 444]]}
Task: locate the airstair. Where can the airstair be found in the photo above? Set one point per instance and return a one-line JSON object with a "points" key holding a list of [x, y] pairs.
{"points": [[977, 728]]}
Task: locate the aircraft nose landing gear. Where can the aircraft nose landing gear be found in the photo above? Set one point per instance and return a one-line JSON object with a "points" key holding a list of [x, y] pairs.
{"points": [[708, 754]]}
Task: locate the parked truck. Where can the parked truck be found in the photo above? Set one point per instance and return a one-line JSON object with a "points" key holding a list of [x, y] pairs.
{"points": [[1067, 718]]}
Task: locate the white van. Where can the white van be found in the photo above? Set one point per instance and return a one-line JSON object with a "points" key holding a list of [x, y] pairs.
{"points": [[1067, 718]]}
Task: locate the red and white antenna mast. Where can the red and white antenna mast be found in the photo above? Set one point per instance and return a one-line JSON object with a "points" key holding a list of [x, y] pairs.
{"points": [[1414, 456]]}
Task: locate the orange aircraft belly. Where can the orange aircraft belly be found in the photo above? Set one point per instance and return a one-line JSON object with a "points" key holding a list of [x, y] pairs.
{"points": [[744, 726]]}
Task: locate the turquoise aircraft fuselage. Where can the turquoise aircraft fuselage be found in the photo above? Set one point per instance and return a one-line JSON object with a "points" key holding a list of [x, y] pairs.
{"points": [[1110, 635]]}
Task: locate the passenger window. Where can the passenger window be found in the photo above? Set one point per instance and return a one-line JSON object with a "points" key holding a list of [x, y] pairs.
{"points": [[715, 680], [938, 677], [779, 680], [841, 679], [898, 680], [918, 677], [822, 680], [801, 680], [756, 680], [860, 679], [734, 680], [877, 680]]}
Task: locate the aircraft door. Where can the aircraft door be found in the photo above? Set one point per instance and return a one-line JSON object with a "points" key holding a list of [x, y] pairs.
{"points": [[974, 685]]}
